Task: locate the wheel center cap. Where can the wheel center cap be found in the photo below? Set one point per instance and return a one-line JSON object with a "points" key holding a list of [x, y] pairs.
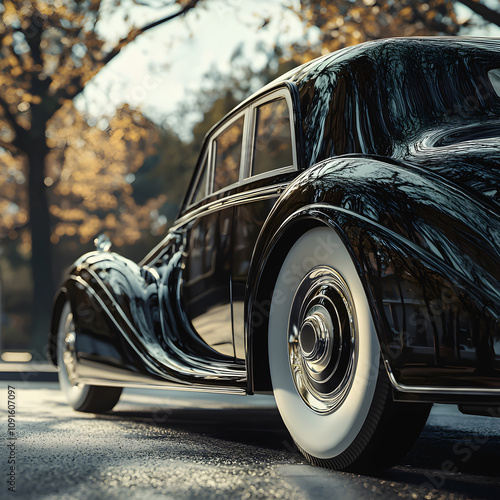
{"points": [[321, 339], [311, 337], [316, 336]]}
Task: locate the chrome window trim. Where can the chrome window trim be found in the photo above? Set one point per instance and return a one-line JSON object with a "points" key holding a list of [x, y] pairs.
{"points": [[274, 96], [246, 146], [213, 143], [205, 164], [207, 156], [249, 125]]}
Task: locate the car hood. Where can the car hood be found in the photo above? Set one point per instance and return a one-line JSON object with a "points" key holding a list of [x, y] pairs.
{"points": [[468, 156]]}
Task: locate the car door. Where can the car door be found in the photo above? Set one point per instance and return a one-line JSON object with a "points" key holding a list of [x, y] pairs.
{"points": [[206, 282], [271, 165]]}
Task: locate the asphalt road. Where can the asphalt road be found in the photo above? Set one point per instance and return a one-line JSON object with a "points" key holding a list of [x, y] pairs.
{"points": [[170, 445]]}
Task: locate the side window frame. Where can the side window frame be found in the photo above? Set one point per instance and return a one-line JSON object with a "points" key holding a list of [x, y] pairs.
{"points": [[249, 113], [244, 150], [273, 96], [204, 166]]}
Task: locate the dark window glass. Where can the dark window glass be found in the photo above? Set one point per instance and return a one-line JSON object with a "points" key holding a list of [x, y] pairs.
{"points": [[273, 144], [228, 155]]}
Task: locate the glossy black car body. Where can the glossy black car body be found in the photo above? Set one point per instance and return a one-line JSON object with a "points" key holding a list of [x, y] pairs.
{"points": [[394, 146]]}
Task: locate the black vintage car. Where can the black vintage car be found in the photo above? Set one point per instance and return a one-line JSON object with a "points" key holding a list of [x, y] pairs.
{"points": [[338, 246]]}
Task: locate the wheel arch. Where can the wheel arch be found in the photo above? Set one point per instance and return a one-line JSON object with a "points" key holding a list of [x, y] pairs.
{"points": [[261, 289]]}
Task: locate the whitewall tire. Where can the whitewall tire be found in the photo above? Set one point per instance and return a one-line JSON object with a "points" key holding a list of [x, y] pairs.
{"points": [[324, 354]]}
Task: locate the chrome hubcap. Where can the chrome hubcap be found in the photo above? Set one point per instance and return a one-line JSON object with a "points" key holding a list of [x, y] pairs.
{"points": [[316, 337], [321, 339]]}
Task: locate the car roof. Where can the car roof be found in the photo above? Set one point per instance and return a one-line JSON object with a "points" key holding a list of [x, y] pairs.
{"points": [[302, 74], [370, 61], [373, 97], [374, 49]]}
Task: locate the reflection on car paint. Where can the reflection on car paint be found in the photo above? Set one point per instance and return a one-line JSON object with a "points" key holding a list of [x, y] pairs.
{"points": [[400, 141]]}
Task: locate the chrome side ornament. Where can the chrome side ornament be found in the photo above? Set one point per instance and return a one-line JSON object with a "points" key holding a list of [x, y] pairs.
{"points": [[102, 243]]}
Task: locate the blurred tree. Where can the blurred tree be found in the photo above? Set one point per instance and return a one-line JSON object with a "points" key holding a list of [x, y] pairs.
{"points": [[91, 171], [48, 52], [341, 23]]}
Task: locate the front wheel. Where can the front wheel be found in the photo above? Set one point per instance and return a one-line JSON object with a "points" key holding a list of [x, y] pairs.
{"points": [[82, 397], [328, 380]]}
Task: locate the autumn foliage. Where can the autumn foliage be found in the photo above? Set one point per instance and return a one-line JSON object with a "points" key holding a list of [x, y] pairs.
{"points": [[63, 180], [344, 23], [62, 177]]}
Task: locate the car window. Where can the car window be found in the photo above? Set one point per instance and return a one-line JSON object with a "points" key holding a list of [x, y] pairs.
{"points": [[273, 143], [228, 155], [201, 187]]}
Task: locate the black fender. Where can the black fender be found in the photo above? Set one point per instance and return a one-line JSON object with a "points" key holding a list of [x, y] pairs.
{"points": [[127, 324], [114, 303], [427, 253]]}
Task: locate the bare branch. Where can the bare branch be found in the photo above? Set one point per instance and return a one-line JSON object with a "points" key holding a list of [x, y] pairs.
{"points": [[135, 33], [63, 93], [490, 15], [128, 39]]}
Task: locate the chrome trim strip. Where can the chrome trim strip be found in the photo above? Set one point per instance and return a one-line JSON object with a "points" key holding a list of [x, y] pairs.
{"points": [[105, 309], [465, 391], [257, 194], [250, 196], [239, 391], [234, 372], [419, 250], [270, 173]]}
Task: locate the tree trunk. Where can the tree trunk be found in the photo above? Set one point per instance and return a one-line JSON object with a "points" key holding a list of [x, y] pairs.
{"points": [[41, 258]]}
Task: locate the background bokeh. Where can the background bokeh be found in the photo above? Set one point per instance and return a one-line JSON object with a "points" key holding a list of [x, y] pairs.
{"points": [[104, 105]]}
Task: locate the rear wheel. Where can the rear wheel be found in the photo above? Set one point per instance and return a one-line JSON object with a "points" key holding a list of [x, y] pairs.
{"points": [[328, 380], [81, 397]]}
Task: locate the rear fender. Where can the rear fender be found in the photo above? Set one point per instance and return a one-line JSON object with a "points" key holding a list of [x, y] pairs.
{"points": [[426, 254]]}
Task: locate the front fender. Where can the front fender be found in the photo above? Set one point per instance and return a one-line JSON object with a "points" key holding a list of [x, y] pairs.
{"points": [[427, 254], [114, 303]]}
